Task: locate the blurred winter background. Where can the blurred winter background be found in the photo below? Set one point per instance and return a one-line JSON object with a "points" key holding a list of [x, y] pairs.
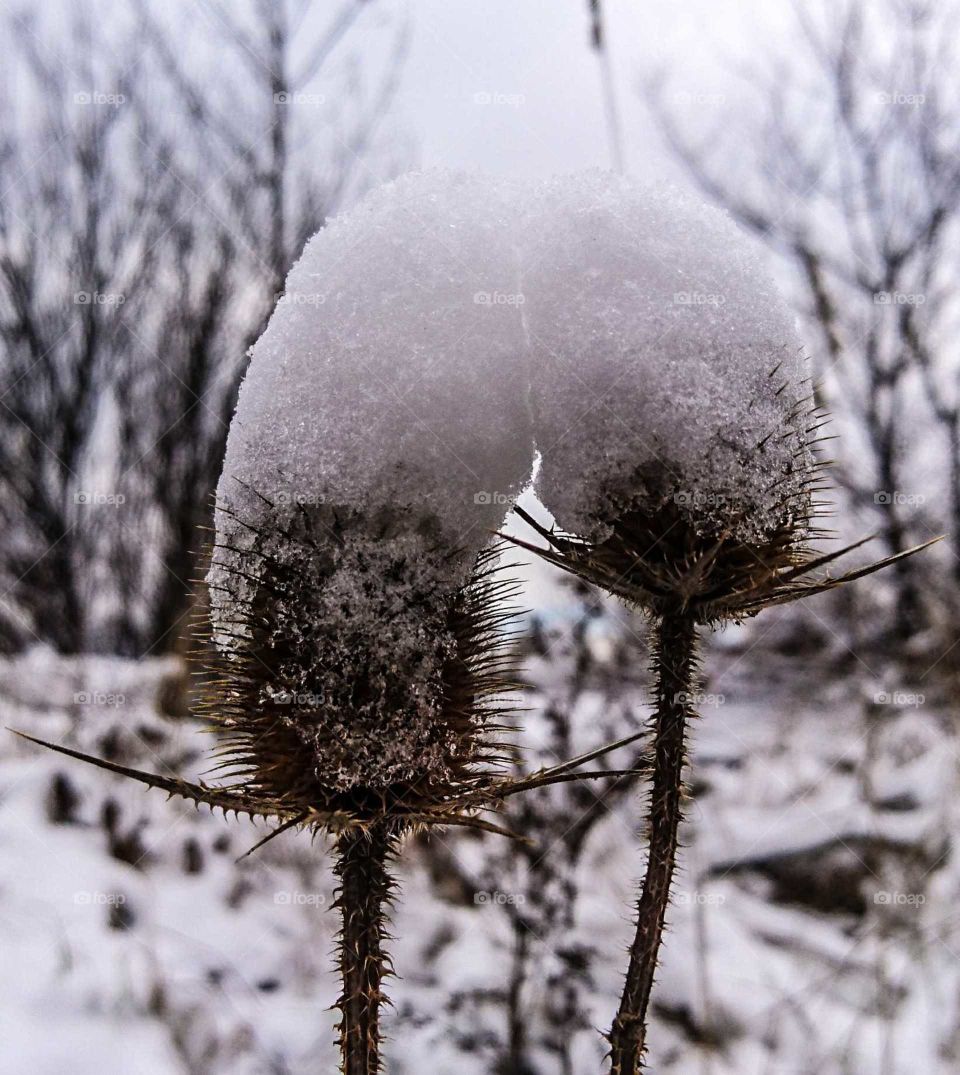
{"points": [[162, 164]]}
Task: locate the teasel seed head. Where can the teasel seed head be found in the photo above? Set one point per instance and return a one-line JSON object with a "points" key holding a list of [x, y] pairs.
{"points": [[354, 680], [352, 685], [715, 556]]}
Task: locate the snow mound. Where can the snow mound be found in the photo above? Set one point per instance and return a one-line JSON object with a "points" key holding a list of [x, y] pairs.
{"points": [[430, 337], [390, 371], [654, 329]]}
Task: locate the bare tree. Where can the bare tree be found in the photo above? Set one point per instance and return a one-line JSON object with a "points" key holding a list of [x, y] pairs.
{"points": [[848, 167], [269, 192], [145, 233], [74, 247]]}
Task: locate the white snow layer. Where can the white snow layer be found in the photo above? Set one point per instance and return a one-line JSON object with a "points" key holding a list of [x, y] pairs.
{"points": [[225, 967], [654, 328], [385, 377], [419, 331]]}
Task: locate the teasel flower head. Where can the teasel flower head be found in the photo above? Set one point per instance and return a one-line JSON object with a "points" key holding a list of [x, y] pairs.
{"points": [[660, 547], [679, 433], [357, 678], [350, 687], [679, 457]]}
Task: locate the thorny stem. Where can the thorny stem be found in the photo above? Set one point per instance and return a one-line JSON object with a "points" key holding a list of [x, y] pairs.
{"points": [[674, 662], [365, 888]]}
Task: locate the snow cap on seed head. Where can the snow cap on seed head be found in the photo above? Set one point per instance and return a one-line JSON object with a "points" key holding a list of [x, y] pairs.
{"points": [[667, 368], [672, 412], [388, 381], [381, 433]]}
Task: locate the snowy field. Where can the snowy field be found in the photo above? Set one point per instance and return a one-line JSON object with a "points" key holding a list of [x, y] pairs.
{"points": [[813, 926]]}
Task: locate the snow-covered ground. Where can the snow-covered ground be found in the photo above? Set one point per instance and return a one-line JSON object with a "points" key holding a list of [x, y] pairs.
{"points": [[813, 928]]}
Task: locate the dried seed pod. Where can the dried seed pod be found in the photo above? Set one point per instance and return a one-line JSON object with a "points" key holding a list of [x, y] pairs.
{"points": [[678, 433], [352, 682]]}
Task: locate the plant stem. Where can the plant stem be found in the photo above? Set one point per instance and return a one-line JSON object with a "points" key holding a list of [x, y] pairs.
{"points": [[365, 888], [674, 663]]}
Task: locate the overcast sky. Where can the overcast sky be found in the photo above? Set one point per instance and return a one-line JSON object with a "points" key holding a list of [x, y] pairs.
{"points": [[512, 86]]}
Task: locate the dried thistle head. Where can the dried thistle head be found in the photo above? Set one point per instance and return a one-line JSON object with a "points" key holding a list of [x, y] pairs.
{"points": [[677, 440], [715, 556], [352, 680], [352, 685]]}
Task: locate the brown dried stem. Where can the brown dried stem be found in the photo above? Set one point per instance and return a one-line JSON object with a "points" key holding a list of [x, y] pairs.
{"points": [[674, 662], [365, 889]]}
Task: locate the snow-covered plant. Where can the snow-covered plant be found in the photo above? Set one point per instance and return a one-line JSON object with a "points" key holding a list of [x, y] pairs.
{"points": [[679, 457], [359, 666], [424, 344]]}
